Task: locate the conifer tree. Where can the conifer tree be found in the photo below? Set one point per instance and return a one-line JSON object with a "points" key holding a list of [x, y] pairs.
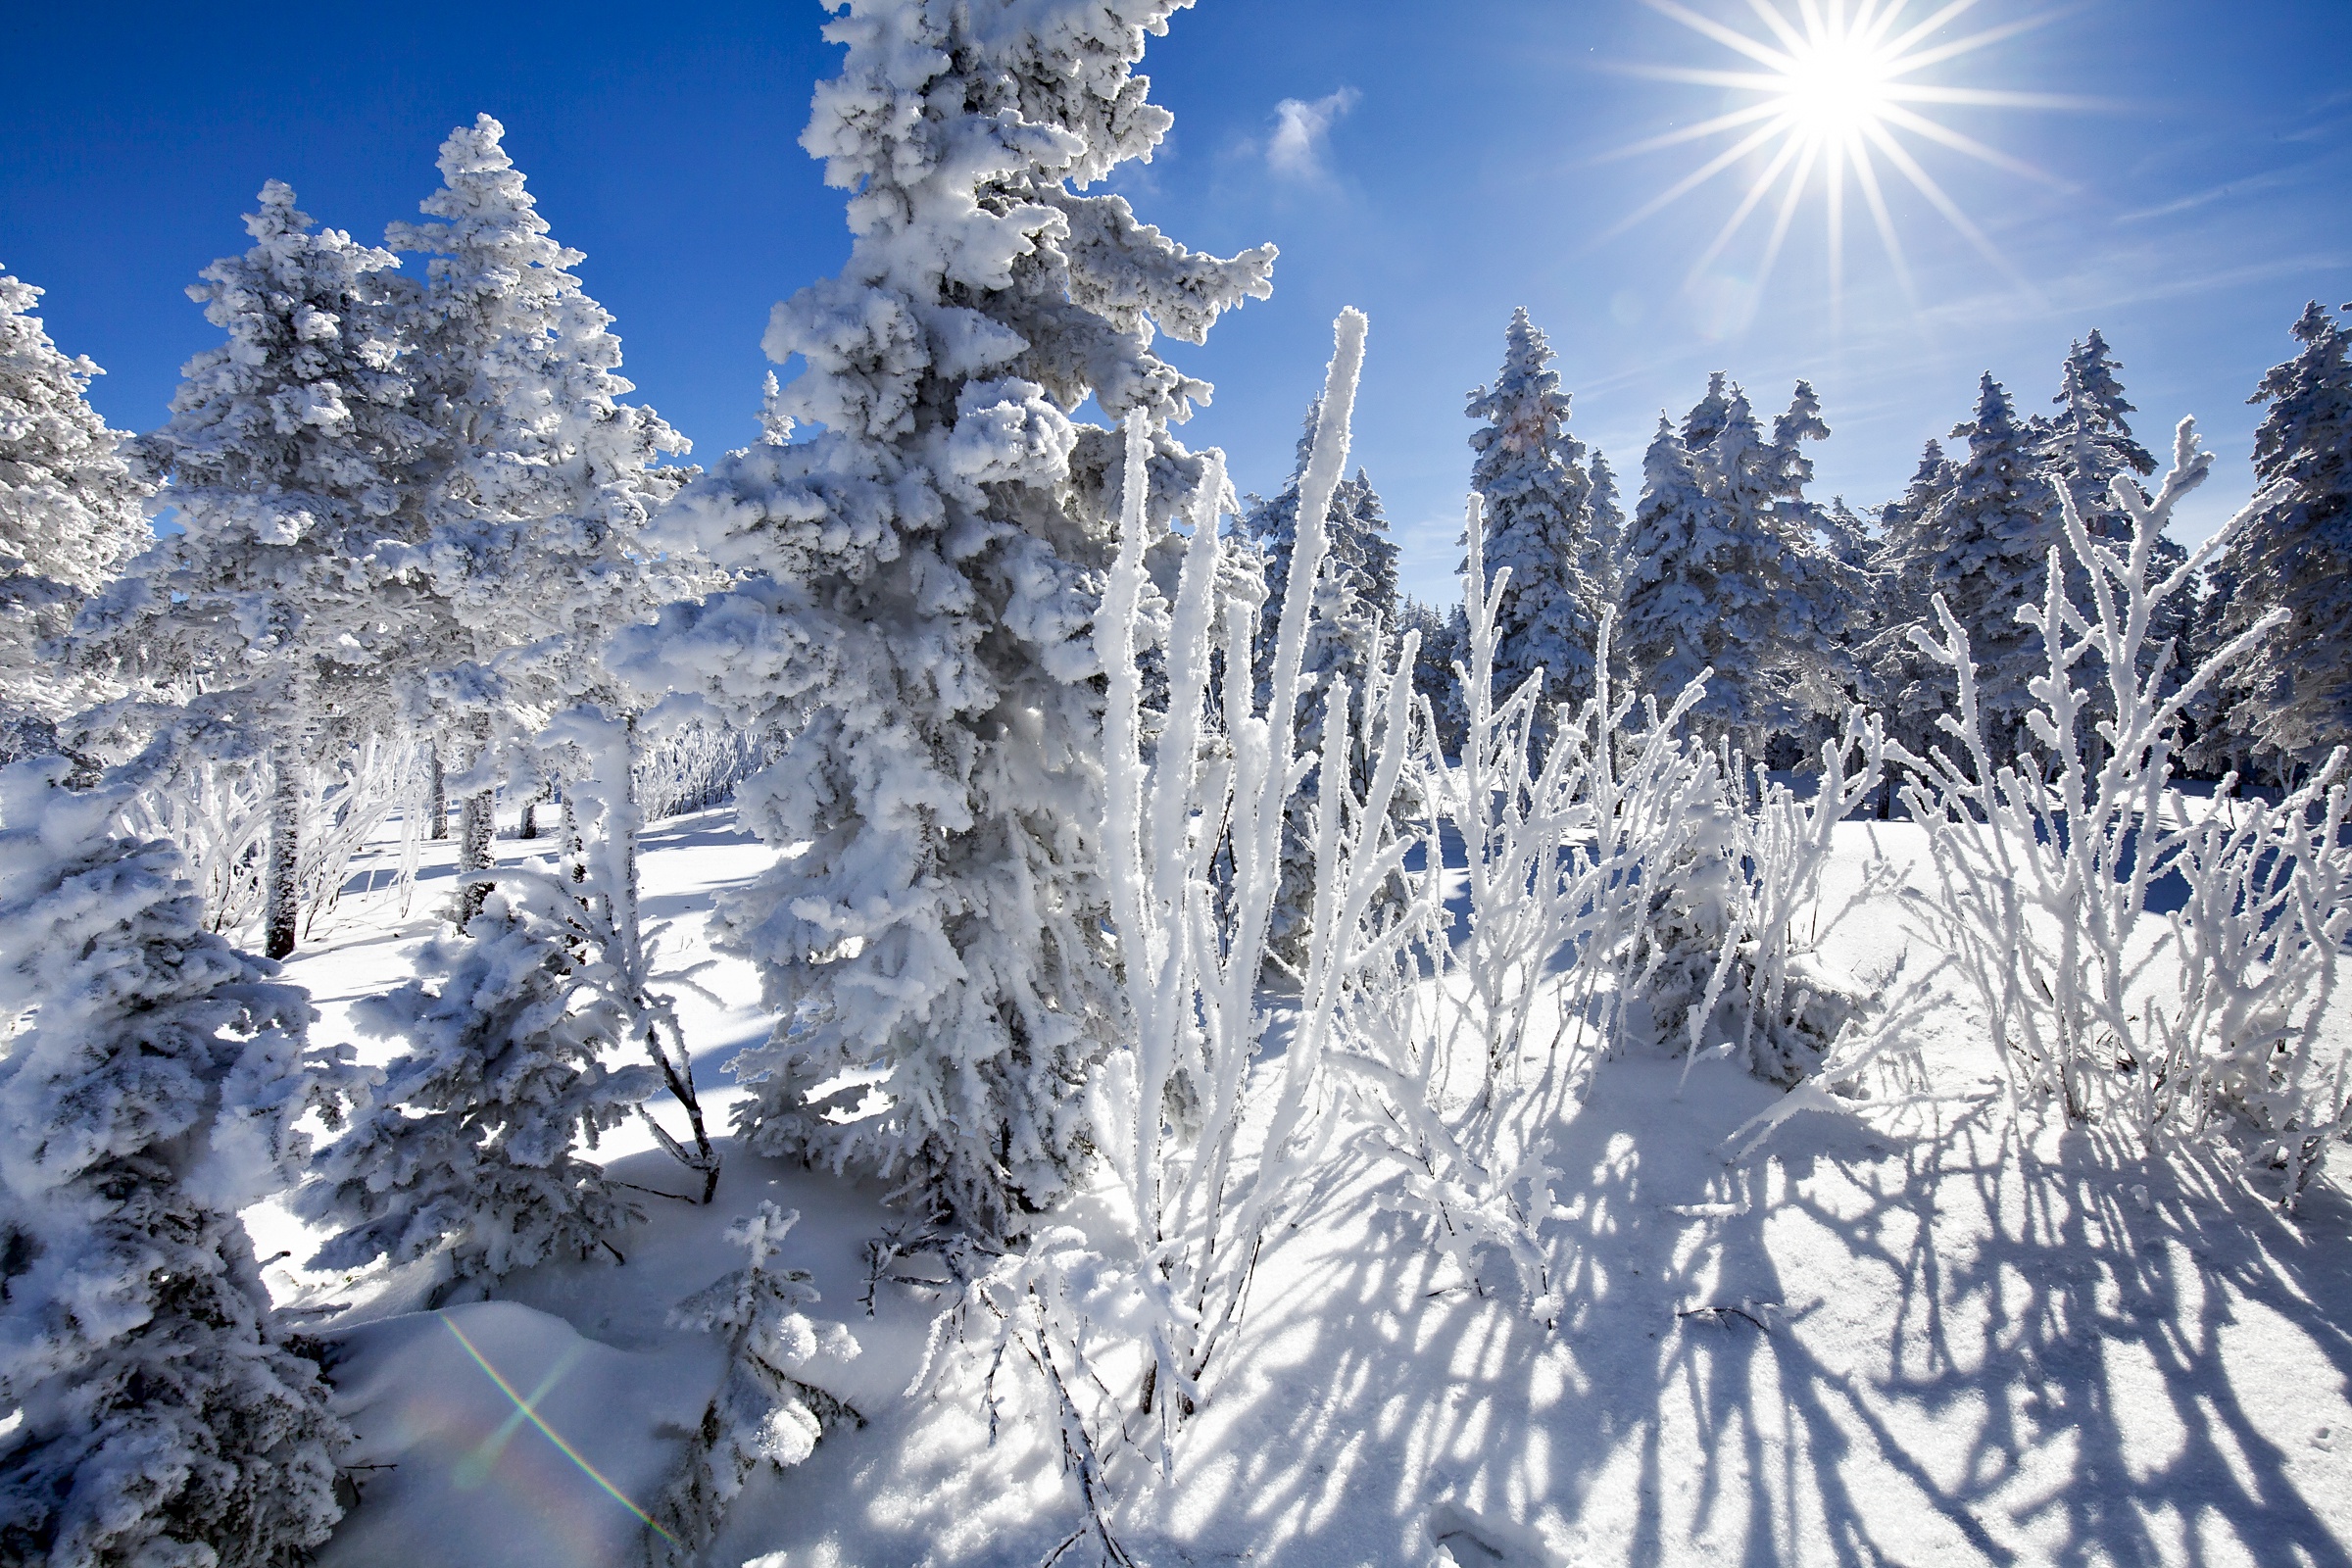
{"points": [[70, 516], [761, 1414], [1602, 562], [2088, 442], [1663, 623], [1539, 511], [1986, 547], [1355, 592], [1827, 595], [2087, 445], [1721, 571], [917, 581], [542, 479], [291, 591], [2291, 701], [1443, 642], [149, 1091], [473, 1135], [1901, 682]]}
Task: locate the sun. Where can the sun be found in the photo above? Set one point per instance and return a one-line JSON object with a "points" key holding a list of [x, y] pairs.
{"points": [[1834, 87], [1837, 87]]}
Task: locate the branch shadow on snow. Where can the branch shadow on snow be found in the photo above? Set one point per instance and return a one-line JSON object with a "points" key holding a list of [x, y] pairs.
{"points": [[1864, 1349]]}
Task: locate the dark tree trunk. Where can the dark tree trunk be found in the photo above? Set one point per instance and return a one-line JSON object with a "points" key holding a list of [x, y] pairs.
{"points": [[477, 825], [282, 889]]}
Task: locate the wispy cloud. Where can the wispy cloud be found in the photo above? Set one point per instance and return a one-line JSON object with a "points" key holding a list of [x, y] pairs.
{"points": [[2269, 179], [1303, 132]]}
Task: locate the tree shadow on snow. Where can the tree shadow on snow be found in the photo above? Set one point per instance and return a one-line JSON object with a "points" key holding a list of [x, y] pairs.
{"points": [[1861, 1349]]}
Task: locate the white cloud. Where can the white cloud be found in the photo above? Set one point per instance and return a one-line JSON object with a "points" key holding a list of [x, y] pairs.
{"points": [[1300, 130]]}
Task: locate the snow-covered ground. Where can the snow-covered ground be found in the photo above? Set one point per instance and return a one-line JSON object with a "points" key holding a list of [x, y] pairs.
{"points": [[1925, 1333]]}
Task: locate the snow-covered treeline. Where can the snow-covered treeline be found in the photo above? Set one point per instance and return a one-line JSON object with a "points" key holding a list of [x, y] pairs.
{"points": [[1141, 865]]}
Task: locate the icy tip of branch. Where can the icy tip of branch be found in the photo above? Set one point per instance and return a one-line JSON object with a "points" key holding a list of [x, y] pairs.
{"points": [[2184, 443]]}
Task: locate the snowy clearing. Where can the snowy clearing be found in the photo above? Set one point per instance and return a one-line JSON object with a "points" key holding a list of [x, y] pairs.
{"points": [[1921, 1334]]}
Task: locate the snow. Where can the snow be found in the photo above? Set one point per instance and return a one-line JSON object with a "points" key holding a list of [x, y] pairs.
{"points": [[1983, 1340], [468, 1478]]}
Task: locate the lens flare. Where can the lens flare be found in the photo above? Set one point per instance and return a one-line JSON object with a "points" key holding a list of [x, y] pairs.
{"points": [[526, 1409]]}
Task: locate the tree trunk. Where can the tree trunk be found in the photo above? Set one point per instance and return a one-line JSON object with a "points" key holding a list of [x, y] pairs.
{"points": [[477, 827], [283, 908], [440, 801], [531, 811]]}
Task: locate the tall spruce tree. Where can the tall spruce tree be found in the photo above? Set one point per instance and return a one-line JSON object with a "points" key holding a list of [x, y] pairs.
{"points": [[1663, 624], [540, 474], [1900, 681], [913, 620], [70, 516], [290, 593], [1749, 559], [2088, 441], [1986, 547], [1826, 594], [1539, 520], [2087, 445], [2290, 702]]}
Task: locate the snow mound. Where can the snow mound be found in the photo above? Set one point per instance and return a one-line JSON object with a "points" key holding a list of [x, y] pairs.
{"points": [[506, 1437]]}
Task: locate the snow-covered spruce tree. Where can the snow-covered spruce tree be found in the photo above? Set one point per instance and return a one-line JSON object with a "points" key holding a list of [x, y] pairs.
{"points": [[1356, 588], [1443, 642], [471, 1138], [1721, 571], [289, 452], [1985, 548], [2086, 446], [70, 515], [1663, 629], [917, 588], [149, 1091], [1825, 596], [2088, 442], [1898, 681], [2290, 703], [1531, 473], [541, 475], [761, 1413]]}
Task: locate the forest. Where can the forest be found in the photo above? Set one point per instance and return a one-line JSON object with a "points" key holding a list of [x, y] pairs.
{"points": [[944, 987]]}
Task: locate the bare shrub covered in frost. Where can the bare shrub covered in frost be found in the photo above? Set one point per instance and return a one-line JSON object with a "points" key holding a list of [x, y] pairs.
{"points": [[1207, 1138], [761, 1413], [2044, 866], [151, 1081], [1627, 848], [694, 766], [1448, 1054]]}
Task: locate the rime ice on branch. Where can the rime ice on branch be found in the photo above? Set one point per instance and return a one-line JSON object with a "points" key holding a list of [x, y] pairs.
{"points": [[916, 589]]}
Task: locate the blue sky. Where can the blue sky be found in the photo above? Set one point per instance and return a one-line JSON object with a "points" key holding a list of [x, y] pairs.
{"points": [[1434, 166]]}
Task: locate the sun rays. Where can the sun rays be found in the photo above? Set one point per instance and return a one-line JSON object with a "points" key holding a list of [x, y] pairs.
{"points": [[1838, 86]]}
